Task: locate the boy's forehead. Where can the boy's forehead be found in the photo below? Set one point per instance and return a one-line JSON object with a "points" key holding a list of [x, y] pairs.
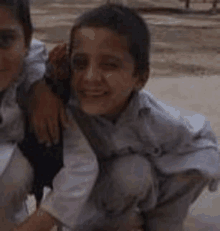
{"points": [[103, 37], [87, 33]]}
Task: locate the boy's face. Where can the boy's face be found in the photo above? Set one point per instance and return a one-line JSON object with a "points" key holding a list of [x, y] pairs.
{"points": [[12, 48], [102, 71]]}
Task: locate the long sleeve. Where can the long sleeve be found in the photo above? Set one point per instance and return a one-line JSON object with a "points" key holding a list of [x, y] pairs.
{"points": [[73, 184], [194, 146]]}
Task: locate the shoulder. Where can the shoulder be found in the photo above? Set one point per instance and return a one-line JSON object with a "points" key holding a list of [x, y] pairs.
{"points": [[162, 113], [35, 63], [37, 44], [37, 49]]}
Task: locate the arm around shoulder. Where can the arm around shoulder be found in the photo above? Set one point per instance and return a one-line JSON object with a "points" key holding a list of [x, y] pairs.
{"points": [[74, 183]]}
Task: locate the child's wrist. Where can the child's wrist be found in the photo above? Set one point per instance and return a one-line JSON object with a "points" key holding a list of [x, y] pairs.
{"points": [[36, 85], [15, 228]]}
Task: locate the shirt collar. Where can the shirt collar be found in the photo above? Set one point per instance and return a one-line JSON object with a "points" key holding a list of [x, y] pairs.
{"points": [[138, 103]]}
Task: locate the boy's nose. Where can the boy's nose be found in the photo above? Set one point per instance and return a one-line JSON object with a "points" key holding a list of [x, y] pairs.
{"points": [[93, 74]]}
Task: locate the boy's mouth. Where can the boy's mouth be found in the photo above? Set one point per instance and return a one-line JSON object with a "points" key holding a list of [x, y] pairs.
{"points": [[91, 93]]}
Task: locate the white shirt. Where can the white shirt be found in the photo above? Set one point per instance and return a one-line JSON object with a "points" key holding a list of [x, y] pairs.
{"points": [[12, 126], [73, 184], [176, 140]]}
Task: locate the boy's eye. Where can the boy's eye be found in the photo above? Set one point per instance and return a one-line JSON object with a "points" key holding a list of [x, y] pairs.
{"points": [[109, 62], [109, 65], [6, 41], [79, 63]]}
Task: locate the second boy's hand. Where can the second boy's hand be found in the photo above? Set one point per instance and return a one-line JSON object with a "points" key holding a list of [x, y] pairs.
{"points": [[39, 221], [46, 113]]}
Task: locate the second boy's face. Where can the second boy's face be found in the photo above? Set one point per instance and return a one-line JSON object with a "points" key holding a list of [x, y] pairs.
{"points": [[102, 71], [12, 48]]}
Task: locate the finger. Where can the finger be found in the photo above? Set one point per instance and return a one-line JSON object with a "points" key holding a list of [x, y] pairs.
{"points": [[58, 56], [68, 121], [61, 56], [71, 122], [54, 54], [58, 51], [54, 51], [64, 119], [54, 130], [42, 133], [62, 51]]}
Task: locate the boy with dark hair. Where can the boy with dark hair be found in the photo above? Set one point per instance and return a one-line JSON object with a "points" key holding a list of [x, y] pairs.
{"points": [[153, 161]]}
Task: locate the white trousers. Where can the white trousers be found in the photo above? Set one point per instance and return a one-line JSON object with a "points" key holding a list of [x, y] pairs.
{"points": [[16, 182], [132, 184]]}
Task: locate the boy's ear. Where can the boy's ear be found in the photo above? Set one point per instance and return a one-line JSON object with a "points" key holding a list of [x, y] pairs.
{"points": [[142, 80]]}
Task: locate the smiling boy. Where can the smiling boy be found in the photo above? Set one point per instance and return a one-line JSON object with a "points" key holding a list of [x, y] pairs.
{"points": [[155, 162], [160, 160]]}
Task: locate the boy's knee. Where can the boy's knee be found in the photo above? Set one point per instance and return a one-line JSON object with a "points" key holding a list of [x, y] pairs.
{"points": [[133, 174], [17, 178], [18, 172]]}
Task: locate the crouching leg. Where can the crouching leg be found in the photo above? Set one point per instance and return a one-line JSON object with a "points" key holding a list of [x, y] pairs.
{"points": [[126, 182], [15, 184], [176, 194]]}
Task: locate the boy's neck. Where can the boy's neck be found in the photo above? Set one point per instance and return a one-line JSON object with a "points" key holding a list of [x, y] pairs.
{"points": [[115, 116], [112, 117]]}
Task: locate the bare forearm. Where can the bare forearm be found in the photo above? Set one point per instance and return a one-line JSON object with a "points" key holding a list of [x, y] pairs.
{"points": [[39, 221]]}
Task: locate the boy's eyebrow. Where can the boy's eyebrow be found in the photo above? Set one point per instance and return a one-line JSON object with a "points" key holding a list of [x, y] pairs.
{"points": [[117, 57]]}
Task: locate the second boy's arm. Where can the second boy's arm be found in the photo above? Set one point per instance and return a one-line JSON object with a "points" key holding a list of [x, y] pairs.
{"points": [[71, 189], [46, 113], [72, 185], [45, 109], [62, 206]]}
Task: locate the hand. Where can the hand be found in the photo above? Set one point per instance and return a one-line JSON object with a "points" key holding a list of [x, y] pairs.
{"points": [[46, 114], [59, 60], [38, 221]]}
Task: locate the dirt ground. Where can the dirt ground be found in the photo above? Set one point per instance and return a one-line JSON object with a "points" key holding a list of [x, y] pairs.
{"points": [[185, 67]]}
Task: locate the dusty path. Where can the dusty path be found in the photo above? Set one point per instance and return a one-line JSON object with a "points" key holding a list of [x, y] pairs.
{"points": [[185, 65]]}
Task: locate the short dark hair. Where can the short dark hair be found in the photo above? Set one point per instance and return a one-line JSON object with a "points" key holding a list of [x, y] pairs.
{"points": [[21, 11], [126, 22]]}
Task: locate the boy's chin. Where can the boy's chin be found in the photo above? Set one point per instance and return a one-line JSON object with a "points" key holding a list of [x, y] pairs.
{"points": [[93, 110]]}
